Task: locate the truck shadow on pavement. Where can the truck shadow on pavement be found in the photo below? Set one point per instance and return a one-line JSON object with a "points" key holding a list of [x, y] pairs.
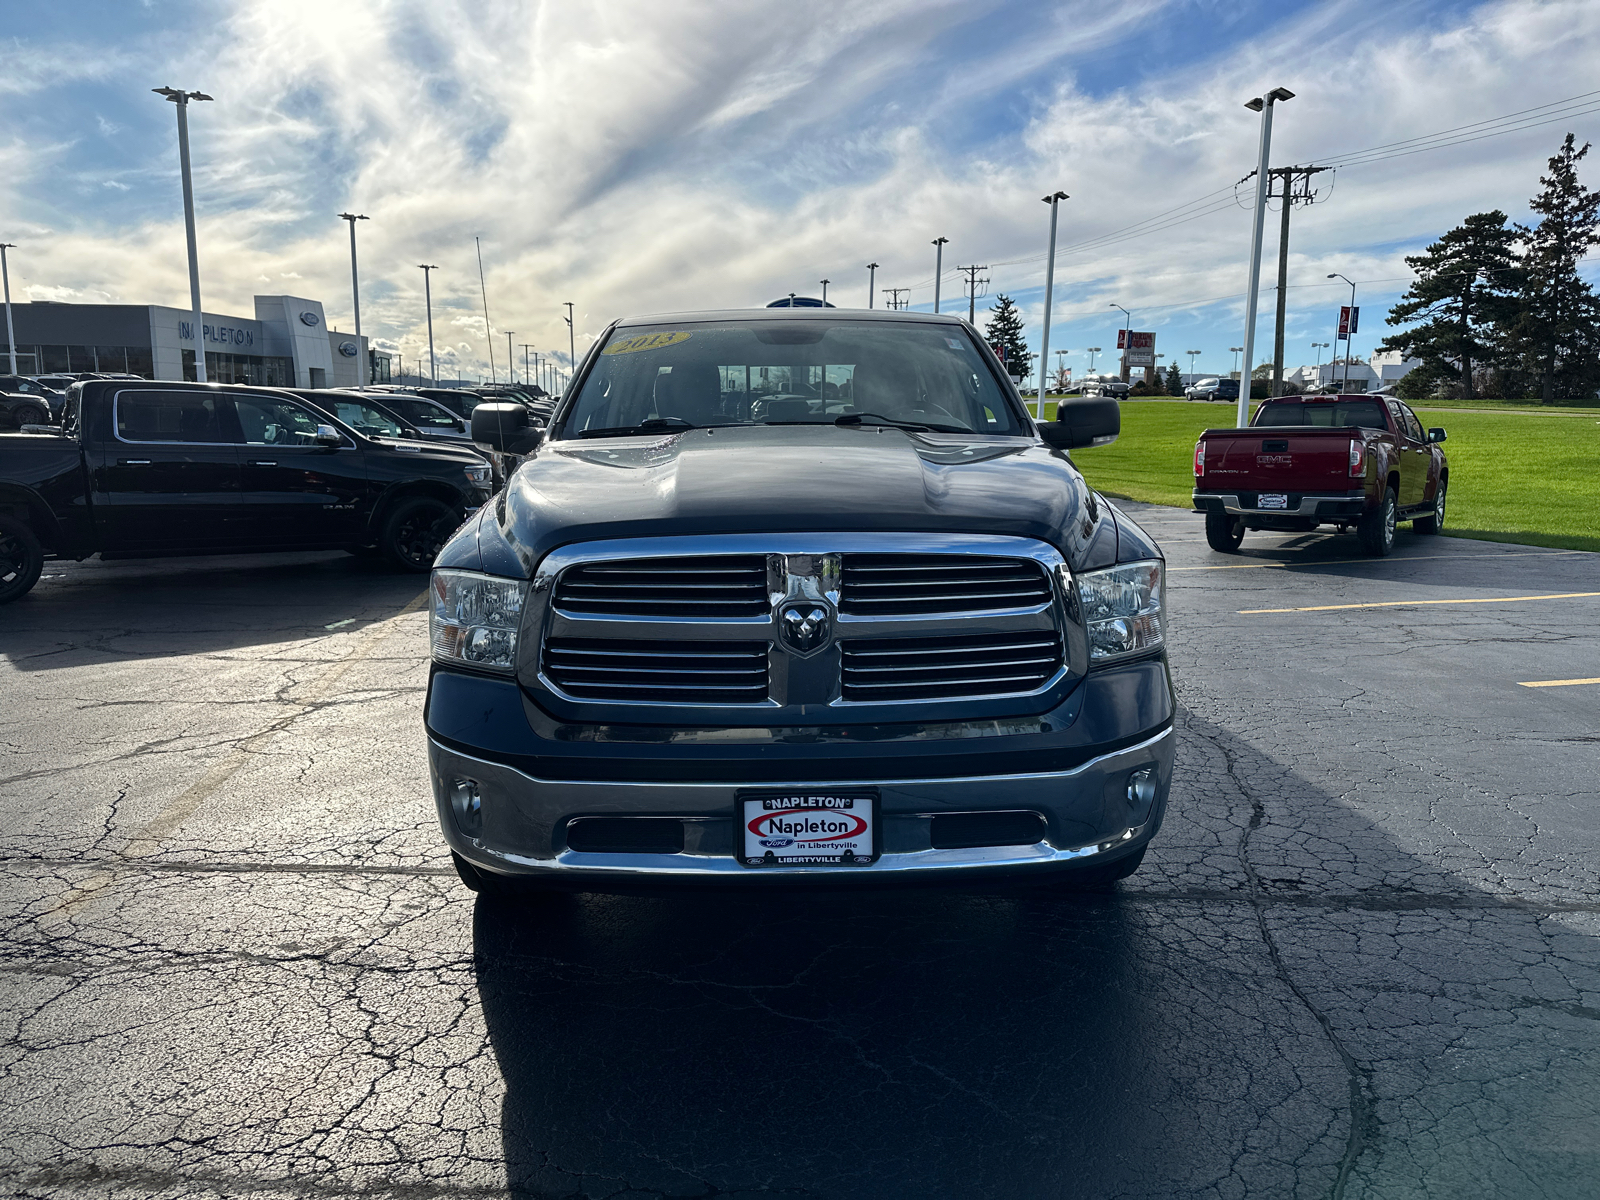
{"points": [[1322, 1019], [97, 612]]}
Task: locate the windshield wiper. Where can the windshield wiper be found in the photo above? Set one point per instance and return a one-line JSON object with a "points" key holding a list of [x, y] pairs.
{"points": [[648, 425], [880, 419]]}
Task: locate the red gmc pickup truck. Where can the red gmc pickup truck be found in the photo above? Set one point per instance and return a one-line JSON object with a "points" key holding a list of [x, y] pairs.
{"points": [[1359, 462]]}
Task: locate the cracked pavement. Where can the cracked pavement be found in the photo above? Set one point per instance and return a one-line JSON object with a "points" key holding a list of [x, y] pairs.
{"points": [[1361, 960]]}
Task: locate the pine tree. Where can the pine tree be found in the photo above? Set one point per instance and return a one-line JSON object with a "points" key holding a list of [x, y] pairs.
{"points": [[1557, 331], [1174, 380], [1005, 329], [1464, 298]]}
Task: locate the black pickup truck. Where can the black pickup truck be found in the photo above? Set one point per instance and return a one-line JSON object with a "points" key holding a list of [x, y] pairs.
{"points": [[143, 470], [797, 596]]}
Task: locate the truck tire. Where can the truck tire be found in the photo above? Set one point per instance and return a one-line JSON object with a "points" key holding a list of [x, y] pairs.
{"points": [[1224, 532], [21, 559], [30, 414], [1434, 521], [500, 887], [1376, 528], [415, 530]]}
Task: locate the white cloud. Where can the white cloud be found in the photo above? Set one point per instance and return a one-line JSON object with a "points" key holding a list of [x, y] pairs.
{"points": [[645, 157]]}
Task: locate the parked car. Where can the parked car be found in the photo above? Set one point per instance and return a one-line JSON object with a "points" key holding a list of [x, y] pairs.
{"points": [[150, 469], [25, 391], [429, 417], [703, 637], [1352, 461], [1107, 387], [361, 412], [1213, 389]]}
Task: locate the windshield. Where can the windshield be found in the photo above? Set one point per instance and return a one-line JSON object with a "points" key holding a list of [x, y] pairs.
{"points": [[791, 373], [1368, 414], [365, 419]]}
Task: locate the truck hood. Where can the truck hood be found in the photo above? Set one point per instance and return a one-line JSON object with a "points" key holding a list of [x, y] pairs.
{"points": [[791, 479]]}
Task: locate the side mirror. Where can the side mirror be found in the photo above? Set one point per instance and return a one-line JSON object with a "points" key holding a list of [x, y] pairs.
{"points": [[1095, 421], [506, 428], [327, 435], [1436, 435]]}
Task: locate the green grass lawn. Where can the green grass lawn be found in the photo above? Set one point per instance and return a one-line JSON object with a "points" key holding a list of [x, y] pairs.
{"points": [[1528, 476]]}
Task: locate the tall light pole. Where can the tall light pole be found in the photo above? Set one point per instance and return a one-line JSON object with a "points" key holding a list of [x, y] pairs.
{"points": [[1235, 351], [1193, 354], [511, 358], [181, 99], [825, 284], [1348, 338], [572, 350], [1127, 338], [872, 279], [1319, 347], [1093, 350], [938, 268], [1262, 105], [1054, 200], [427, 292], [526, 374], [11, 330], [355, 283]]}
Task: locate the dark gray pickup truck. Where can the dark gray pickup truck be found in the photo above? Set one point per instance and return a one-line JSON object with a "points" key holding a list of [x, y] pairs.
{"points": [[142, 469], [797, 596]]}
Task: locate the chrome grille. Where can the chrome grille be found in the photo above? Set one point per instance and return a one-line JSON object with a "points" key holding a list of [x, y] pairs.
{"points": [[949, 668], [658, 672], [893, 585], [705, 586]]}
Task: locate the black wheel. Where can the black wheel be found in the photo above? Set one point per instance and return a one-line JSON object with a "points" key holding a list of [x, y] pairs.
{"points": [[1434, 522], [30, 414], [1095, 878], [1224, 532], [416, 530], [21, 559], [487, 883], [1376, 529]]}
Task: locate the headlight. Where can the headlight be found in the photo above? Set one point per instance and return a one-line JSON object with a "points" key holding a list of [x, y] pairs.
{"points": [[478, 476], [474, 619], [1122, 608]]}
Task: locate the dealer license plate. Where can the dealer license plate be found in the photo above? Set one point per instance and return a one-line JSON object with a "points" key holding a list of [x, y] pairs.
{"points": [[808, 828], [1272, 500]]}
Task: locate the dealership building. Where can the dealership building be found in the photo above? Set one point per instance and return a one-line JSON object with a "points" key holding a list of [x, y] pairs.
{"points": [[286, 344]]}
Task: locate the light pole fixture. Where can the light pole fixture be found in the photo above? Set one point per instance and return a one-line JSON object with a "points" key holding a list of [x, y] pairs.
{"points": [[11, 330], [1348, 332], [1054, 200], [1235, 351], [181, 99], [526, 374], [1319, 347], [938, 267], [572, 353], [825, 284], [1193, 354], [355, 283], [1093, 350], [1262, 105], [511, 358], [1127, 338], [427, 293], [872, 279]]}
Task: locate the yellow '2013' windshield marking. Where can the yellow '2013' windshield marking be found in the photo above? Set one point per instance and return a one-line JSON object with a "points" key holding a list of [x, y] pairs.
{"points": [[645, 341]]}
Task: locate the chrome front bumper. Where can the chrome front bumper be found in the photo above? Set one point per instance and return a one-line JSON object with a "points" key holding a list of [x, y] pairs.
{"points": [[1087, 813]]}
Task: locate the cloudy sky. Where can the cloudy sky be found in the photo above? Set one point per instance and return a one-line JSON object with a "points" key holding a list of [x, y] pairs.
{"points": [[642, 157]]}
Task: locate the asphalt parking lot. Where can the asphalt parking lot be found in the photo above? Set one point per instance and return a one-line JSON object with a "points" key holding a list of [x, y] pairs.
{"points": [[1362, 959]]}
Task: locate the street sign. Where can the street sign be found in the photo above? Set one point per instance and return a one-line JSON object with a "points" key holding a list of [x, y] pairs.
{"points": [[1349, 321]]}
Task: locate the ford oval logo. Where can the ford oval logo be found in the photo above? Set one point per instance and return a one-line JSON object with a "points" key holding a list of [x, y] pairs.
{"points": [[310, 318], [348, 349]]}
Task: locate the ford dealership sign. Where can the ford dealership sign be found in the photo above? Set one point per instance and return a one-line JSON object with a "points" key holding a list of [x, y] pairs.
{"points": [[348, 349], [310, 318]]}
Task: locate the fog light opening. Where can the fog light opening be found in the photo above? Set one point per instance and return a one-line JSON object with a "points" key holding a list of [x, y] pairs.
{"points": [[1142, 788], [467, 805]]}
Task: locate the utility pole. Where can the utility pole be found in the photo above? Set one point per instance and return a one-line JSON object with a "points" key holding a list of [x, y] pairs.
{"points": [[872, 280], [938, 268], [1289, 176], [427, 293], [572, 353], [11, 330], [1054, 200], [894, 297], [972, 291], [355, 284], [1262, 105], [181, 99]]}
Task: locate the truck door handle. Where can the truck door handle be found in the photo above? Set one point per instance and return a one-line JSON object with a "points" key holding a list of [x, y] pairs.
{"points": [[133, 462], [263, 463]]}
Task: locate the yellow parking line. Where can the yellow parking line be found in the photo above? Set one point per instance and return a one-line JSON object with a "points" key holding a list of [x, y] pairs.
{"points": [[1408, 603], [1559, 682], [1334, 562]]}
